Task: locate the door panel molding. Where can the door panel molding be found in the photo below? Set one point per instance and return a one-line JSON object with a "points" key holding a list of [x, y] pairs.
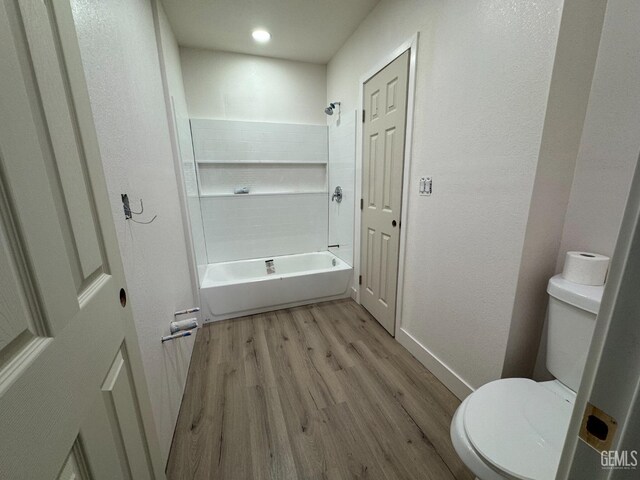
{"points": [[86, 249], [12, 242], [26, 164], [75, 466], [124, 416], [65, 265]]}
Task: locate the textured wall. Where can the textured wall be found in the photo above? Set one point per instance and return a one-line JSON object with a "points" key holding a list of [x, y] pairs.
{"points": [[483, 76], [125, 88], [611, 138], [609, 146], [234, 86], [182, 131], [568, 98]]}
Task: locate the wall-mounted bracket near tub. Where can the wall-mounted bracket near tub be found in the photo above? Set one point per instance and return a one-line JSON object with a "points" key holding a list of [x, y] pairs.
{"points": [[128, 213], [175, 335], [126, 206]]}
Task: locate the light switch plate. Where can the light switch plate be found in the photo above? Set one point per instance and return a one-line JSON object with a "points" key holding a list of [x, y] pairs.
{"points": [[425, 186]]}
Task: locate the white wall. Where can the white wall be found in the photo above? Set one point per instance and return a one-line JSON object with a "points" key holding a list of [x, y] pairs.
{"points": [[125, 88], [183, 149], [483, 77], [609, 146], [232, 86], [575, 60], [611, 138]]}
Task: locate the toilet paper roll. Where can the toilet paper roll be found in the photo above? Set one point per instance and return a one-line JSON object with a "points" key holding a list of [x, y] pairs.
{"points": [[188, 324], [585, 268]]}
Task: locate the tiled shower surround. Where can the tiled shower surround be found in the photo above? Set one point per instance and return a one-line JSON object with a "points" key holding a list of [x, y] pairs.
{"points": [[284, 166], [255, 226], [342, 152]]}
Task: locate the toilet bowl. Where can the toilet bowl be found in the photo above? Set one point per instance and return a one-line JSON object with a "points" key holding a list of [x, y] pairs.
{"points": [[514, 428]]}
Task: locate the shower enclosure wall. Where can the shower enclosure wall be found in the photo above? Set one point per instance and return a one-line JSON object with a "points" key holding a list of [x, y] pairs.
{"points": [[264, 204]]}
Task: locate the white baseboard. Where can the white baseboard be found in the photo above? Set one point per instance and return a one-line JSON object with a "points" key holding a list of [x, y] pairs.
{"points": [[448, 377]]}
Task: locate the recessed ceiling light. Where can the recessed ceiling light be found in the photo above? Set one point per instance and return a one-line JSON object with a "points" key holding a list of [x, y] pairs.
{"points": [[261, 36]]}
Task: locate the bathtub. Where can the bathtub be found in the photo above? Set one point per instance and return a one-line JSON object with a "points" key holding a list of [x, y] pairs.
{"points": [[234, 289]]}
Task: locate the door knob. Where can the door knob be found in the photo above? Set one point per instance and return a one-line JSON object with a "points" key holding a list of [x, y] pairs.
{"points": [[337, 194], [394, 223]]}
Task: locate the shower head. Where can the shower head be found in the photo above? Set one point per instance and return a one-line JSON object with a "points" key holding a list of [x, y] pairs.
{"points": [[329, 110]]}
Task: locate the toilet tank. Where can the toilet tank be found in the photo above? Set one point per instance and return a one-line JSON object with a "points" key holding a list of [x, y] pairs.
{"points": [[572, 317]]}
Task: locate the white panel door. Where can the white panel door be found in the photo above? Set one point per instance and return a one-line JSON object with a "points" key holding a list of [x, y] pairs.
{"points": [[73, 400], [385, 106]]}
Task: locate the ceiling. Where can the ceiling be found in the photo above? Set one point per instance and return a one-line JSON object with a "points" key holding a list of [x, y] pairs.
{"points": [[303, 30]]}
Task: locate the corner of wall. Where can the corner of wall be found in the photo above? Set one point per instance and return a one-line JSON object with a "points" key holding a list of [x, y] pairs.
{"points": [[576, 53]]}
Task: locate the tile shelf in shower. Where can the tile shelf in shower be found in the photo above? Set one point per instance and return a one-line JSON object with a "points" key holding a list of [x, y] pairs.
{"points": [[254, 162], [265, 194]]}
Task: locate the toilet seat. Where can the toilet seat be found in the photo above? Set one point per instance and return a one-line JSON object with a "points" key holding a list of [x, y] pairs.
{"points": [[518, 426]]}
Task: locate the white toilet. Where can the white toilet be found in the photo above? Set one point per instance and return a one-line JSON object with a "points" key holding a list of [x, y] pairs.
{"points": [[515, 428]]}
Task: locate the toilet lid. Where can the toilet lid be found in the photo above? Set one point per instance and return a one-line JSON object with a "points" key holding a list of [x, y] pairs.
{"points": [[519, 426]]}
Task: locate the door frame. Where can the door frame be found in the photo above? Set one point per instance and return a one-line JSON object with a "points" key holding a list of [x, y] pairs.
{"points": [[410, 44]]}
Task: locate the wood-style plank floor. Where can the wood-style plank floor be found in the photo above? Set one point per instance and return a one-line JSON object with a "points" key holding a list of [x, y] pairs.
{"points": [[314, 392]]}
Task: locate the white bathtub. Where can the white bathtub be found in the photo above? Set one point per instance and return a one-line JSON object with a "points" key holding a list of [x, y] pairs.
{"points": [[234, 289]]}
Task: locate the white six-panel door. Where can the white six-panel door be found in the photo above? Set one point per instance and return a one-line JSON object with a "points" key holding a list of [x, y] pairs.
{"points": [[385, 107], [73, 401]]}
